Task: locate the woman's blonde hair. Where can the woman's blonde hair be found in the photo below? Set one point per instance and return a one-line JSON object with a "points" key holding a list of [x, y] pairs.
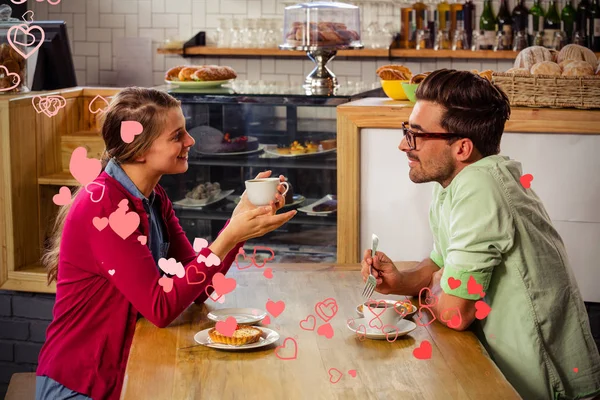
{"points": [[146, 106]]}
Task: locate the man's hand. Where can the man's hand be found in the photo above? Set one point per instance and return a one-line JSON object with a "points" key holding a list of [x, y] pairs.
{"points": [[384, 271]]}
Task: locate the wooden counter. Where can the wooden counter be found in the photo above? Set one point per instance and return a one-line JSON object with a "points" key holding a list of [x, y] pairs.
{"points": [[169, 364]]}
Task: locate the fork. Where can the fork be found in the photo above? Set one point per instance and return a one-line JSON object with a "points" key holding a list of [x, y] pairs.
{"points": [[371, 281]]}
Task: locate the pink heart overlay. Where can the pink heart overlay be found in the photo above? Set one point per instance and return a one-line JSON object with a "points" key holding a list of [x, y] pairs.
{"points": [[130, 129], [454, 283], [266, 320], [95, 200], [142, 239], [111, 272], [430, 298], [209, 261], [124, 223], [199, 244], [474, 288], [16, 80], [268, 273], [96, 110], [394, 329], [100, 223], [334, 375], [25, 29], [284, 348], [526, 180], [211, 296], [326, 309], [423, 352], [420, 315], [226, 327], [275, 308], [453, 322], [483, 309], [361, 332], [84, 169], [308, 326], [222, 284], [195, 277], [326, 330], [242, 253], [166, 283], [63, 197], [271, 257], [352, 373], [26, 13], [49, 105]]}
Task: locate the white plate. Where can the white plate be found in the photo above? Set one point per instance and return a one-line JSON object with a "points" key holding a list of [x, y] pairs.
{"points": [[186, 202], [404, 327], [241, 315], [198, 84], [308, 209], [261, 147], [390, 304], [268, 337], [273, 151]]}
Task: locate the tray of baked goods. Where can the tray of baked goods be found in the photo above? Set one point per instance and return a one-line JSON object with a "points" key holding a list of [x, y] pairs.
{"points": [[546, 78], [214, 143], [296, 149], [200, 76], [203, 195], [323, 207]]}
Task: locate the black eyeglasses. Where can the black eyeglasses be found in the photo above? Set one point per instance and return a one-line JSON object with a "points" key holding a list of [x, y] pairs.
{"points": [[411, 135]]}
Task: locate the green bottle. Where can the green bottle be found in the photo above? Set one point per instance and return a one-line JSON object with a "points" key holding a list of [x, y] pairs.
{"points": [[567, 16], [488, 24], [536, 20], [551, 24]]}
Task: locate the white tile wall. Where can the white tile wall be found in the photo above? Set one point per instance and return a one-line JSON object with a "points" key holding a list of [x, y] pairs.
{"points": [[96, 25]]}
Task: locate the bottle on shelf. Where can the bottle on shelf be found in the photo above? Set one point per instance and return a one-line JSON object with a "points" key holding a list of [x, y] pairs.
{"points": [[535, 21], [581, 20], [505, 25], [420, 8], [469, 18], [405, 27], [433, 27], [442, 7], [459, 41], [594, 28], [455, 7], [567, 16], [552, 24], [487, 23], [519, 17], [412, 31]]}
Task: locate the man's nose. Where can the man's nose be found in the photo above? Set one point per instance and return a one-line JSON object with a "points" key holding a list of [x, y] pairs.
{"points": [[403, 146]]}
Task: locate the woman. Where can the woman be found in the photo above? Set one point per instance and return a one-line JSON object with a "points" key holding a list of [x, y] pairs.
{"points": [[111, 239]]}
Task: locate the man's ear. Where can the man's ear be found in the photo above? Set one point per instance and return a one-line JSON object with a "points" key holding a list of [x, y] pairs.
{"points": [[465, 150]]}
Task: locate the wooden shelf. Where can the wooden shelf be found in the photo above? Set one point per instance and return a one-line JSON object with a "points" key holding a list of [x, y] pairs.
{"points": [[63, 178], [365, 53]]}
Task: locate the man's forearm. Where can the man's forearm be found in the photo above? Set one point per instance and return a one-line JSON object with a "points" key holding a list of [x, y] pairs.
{"points": [[414, 279]]}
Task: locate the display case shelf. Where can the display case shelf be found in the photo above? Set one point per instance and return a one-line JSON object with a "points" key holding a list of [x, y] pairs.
{"points": [[312, 162]]}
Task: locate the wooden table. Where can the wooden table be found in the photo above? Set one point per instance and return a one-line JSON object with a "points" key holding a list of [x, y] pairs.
{"points": [[169, 364]]}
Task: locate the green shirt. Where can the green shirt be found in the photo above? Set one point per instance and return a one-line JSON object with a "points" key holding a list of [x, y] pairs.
{"points": [[485, 224]]}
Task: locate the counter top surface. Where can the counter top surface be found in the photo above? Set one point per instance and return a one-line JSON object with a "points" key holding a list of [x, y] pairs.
{"points": [[386, 113], [169, 364]]}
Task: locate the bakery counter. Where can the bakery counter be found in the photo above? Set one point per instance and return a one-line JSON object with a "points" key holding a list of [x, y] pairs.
{"points": [[559, 147]]}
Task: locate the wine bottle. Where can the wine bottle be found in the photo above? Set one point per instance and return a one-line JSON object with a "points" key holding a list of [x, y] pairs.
{"points": [[442, 8], [594, 30], [567, 16], [469, 17], [405, 27], [487, 23], [420, 7], [551, 24], [455, 7], [505, 24], [412, 30], [519, 16], [581, 18], [536, 20]]}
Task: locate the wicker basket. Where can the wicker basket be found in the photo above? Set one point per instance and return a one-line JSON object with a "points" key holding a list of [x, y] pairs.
{"points": [[550, 91]]}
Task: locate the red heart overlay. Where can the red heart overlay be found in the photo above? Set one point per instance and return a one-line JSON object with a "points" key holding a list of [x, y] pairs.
{"points": [[194, 277], [329, 305]]}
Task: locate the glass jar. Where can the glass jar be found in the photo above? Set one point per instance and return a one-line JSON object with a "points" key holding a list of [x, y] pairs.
{"points": [[13, 65]]}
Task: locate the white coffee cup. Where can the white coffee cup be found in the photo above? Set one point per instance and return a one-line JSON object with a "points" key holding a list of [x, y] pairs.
{"points": [[377, 318], [262, 191]]}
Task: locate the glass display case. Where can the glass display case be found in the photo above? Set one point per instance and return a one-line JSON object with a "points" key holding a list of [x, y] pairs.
{"points": [[252, 127]]}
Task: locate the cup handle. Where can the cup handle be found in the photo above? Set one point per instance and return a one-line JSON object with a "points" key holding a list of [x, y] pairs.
{"points": [[287, 187]]}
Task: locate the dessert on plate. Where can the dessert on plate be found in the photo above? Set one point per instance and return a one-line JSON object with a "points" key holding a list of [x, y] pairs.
{"points": [[204, 191], [242, 335], [200, 73]]}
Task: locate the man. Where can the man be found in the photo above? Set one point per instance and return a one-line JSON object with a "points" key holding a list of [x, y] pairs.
{"points": [[489, 229]]}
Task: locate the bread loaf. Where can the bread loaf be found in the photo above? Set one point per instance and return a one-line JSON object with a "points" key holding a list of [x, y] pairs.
{"points": [[532, 55], [518, 71], [577, 52], [546, 68], [578, 68], [564, 63]]}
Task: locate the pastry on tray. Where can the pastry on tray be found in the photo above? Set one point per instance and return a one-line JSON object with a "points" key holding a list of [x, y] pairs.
{"points": [[200, 73], [296, 148], [242, 335], [204, 191], [321, 34], [329, 205], [394, 73]]}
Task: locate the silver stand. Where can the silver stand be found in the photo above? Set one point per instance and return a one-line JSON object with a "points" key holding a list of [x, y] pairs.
{"points": [[321, 77]]}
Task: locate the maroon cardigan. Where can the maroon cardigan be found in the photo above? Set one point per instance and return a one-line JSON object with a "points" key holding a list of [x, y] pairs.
{"points": [[94, 317]]}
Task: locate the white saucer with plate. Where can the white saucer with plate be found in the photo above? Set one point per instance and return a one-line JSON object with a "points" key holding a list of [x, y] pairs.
{"points": [[404, 327], [269, 336], [390, 303], [243, 316]]}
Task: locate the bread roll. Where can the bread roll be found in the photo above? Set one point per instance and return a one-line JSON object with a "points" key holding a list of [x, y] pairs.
{"points": [[487, 74], [577, 52], [532, 55], [518, 71], [578, 68], [564, 63], [546, 68]]}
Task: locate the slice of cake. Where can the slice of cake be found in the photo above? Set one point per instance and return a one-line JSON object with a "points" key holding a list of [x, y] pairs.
{"points": [[242, 335]]}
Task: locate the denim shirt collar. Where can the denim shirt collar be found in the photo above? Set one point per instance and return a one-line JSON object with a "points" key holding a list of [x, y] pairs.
{"points": [[115, 171]]}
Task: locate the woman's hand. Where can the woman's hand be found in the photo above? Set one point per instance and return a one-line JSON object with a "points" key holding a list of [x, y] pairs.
{"points": [[255, 223], [244, 205]]}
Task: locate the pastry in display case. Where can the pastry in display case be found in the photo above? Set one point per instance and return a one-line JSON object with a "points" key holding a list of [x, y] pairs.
{"points": [[321, 28]]}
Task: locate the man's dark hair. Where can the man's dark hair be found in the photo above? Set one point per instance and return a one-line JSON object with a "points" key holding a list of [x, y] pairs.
{"points": [[475, 107]]}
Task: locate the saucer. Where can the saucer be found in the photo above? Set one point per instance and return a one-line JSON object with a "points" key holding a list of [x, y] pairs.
{"points": [[404, 327], [269, 336], [390, 304], [242, 315]]}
